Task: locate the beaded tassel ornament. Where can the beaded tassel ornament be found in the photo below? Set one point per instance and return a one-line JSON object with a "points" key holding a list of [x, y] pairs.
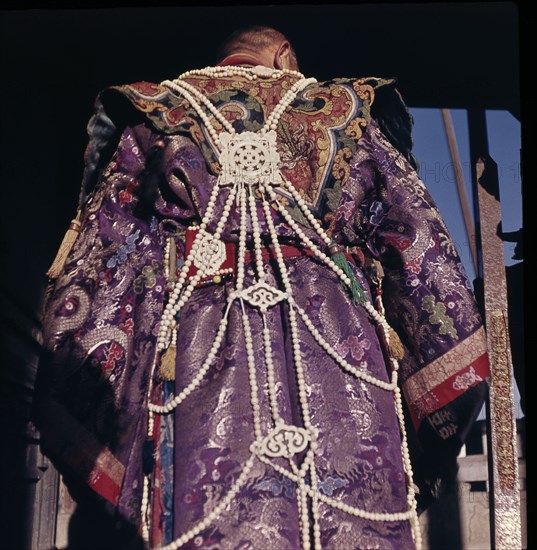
{"points": [[249, 173]]}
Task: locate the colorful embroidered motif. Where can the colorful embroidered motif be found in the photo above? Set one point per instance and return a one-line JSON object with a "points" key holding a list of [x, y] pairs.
{"points": [[310, 136], [438, 316]]}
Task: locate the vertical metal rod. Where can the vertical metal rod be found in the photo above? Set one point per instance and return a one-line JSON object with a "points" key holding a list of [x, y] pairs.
{"points": [[461, 187]]}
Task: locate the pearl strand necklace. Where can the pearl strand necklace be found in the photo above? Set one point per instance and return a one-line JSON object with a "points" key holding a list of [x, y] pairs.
{"points": [[271, 123], [302, 487], [250, 73], [271, 378], [175, 304], [252, 374], [412, 515], [190, 92], [304, 406]]}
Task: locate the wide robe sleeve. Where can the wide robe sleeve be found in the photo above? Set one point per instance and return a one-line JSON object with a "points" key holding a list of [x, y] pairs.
{"points": [[428, 300], [101, 318]]}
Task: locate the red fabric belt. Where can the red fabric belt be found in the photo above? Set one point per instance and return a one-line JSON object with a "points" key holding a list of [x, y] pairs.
{"points": [[227, 267]]}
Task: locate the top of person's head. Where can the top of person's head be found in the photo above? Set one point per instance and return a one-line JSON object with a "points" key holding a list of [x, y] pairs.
{"points": [[256, 40]]}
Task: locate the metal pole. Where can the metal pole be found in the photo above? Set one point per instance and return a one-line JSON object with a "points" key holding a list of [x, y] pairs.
{"points": [[461, 187]]}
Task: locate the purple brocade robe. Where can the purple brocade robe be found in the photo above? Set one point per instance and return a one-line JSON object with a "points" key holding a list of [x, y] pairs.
{"points": [[152, 167]]}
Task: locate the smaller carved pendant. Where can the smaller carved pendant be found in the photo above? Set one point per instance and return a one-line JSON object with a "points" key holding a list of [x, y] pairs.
{"points": [[284, 441], [262, 295], [210, 255]]}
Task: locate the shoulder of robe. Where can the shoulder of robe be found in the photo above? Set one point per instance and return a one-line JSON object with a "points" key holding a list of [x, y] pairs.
{"points": [[129, 104], [115, 108], [382, 102], [375, 98]]}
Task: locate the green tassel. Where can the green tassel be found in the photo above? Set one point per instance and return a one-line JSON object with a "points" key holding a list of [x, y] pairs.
{"points": [[358, 293]]}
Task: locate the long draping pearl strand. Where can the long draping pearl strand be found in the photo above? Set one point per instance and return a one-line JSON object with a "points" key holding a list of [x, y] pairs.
{"points": [[217, 510], [298, 475], [252, 374], [388, 386], [379, 319], [168, 317], [364, 376], [189, 92], [175, 304], [293, 326], [146, 510], [168, 333], [302, 496], [256, 235], [247, 204], [271, 378], [325, 258], [239, 282], [357, 512]]}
